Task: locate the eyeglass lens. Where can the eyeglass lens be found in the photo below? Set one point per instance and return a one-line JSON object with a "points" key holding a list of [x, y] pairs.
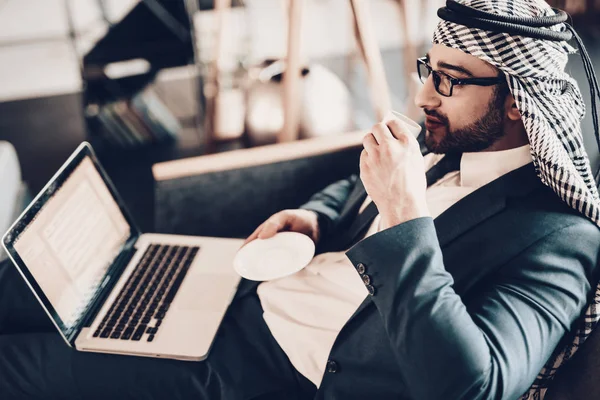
{"points": [[440, 81]]}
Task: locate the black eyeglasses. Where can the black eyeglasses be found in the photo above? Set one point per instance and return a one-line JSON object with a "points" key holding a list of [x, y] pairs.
{"points": [[444, 83]]}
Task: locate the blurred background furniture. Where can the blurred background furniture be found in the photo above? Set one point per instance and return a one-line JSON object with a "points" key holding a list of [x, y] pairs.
{"points": [[121, 110], [292, 72]]}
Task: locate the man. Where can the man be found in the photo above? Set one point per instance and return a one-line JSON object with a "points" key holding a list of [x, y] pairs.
{"points": [[460, 287]]}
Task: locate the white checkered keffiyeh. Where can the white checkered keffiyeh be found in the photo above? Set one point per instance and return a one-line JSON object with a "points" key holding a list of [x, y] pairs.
{"points": [[551, 108]]}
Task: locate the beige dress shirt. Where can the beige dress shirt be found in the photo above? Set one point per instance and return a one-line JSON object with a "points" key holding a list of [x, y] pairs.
{"points": [[306, 311]]}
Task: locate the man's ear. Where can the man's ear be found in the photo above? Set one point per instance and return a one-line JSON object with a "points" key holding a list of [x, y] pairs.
{"points": [[512, 112]]}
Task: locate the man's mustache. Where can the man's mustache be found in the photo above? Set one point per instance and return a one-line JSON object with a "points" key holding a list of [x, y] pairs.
{"points": [[436, 115]]}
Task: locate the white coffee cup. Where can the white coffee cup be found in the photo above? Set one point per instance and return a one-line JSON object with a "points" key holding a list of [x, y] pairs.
{"points": [[410, 125]]}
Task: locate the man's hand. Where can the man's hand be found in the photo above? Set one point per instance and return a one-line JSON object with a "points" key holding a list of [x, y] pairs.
{"points": [[393, 173], [302, 221]]}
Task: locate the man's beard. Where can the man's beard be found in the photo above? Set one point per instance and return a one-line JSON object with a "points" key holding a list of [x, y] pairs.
{"points": [[477, 136]]}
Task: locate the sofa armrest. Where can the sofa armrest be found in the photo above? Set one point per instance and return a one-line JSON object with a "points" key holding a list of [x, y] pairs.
{"points": [[230, 194]]}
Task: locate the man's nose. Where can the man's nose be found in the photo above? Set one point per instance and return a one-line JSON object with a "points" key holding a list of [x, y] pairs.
{"points": [[427, 97]]}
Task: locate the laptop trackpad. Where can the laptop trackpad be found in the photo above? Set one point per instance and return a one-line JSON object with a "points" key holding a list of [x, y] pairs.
{"points": [[206, 292]]}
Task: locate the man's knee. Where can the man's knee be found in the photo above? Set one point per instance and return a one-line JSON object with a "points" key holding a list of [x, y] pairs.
{"points": [[42, 366]]}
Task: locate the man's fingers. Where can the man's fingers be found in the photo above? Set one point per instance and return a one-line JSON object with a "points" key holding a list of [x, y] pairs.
{"points": [[399, 131], [363, 159], [272, 226], [258, 232], [369, 143], [382, 133], [264, 231]]}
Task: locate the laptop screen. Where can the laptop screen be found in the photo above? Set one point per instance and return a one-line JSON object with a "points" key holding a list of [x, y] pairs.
{"points": [[69, 237]]}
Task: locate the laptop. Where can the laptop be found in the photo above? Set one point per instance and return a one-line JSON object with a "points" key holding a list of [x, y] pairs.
{"points": [[106, 286]]}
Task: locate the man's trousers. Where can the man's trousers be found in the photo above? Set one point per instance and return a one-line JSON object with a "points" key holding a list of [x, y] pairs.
{"points": [[245, 361]]}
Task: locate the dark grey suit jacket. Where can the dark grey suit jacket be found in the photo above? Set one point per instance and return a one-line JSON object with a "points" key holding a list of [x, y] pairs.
{"points": [[467, 306]]}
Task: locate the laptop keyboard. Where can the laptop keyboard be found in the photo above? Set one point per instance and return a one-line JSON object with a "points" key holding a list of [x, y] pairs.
{"points": [[144, 300]]}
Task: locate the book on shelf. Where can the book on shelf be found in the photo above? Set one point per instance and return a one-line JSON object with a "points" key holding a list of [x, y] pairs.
{"points": [[141, 120]]}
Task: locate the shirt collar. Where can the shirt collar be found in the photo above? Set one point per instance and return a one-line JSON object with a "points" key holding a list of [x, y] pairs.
{"points": [[480, 168]]}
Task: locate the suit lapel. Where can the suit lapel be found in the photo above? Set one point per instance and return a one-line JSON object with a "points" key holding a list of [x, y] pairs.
{"points": [[484, 203], [465, 214]]}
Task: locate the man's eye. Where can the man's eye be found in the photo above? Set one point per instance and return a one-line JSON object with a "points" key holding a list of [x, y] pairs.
{"points": [[446, 76]]}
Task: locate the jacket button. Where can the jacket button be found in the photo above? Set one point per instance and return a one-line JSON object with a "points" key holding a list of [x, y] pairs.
{"points": [[360, 267], [371, 290], [366, 279], [332, 366]]}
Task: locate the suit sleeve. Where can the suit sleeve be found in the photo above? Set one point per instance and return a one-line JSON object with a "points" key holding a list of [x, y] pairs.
{"points": [[494, 346], [329, 202]]}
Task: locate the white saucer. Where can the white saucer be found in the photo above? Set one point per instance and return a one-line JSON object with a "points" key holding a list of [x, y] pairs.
{"points": [[273, 258]]}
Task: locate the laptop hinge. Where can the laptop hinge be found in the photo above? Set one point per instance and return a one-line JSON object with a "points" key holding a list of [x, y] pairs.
{"points": [[110, 280]]}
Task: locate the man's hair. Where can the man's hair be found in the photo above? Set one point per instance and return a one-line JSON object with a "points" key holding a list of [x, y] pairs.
{"points": [[501, 90]]}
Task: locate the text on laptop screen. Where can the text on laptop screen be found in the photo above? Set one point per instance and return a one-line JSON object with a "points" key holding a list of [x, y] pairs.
{"points": [[73, 240]]}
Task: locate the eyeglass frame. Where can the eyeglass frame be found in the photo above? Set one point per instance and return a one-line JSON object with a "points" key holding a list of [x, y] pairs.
{"points": [[454, 81]]}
